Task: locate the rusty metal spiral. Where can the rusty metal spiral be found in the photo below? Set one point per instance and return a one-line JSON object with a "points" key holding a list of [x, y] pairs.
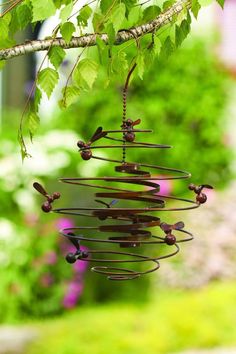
{"points": [[122, 229]]}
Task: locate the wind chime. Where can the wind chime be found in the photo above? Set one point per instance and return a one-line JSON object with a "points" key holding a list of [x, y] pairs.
{"points": [[125, 231]]}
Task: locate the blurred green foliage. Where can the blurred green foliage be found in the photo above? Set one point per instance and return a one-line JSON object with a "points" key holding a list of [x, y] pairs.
{"points": [[182, 100], [173, 321]]}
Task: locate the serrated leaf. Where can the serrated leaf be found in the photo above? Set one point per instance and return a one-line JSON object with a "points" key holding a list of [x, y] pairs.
{"points": [[85, 73], [140, 65], [195, 8], [70, 95], [221, 3], [117, 16], [33, 123], [24, 16], [150, 13], [47, 79], [65, 12], [105, 5], [56, 55], [167, 48], [37, 98], [157, 45], [67, 30], [42, 9], [119, 64], [111, 33], [135, 15], [102, 49], [4, 28], [84, 15], [98, 22]]}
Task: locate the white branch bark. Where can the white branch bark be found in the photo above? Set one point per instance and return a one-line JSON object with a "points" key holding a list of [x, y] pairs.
{"points": [[90, 39]]}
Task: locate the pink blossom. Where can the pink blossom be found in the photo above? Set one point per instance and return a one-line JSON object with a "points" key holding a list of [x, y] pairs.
{"points": [[166, 186], [64, 223], [73, 294]]}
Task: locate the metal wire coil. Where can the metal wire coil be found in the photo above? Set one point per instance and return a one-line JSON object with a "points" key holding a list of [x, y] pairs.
{"points": [[122, 229]]}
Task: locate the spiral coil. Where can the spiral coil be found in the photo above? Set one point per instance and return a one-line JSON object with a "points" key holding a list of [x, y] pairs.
{"points": [[125, 227]]}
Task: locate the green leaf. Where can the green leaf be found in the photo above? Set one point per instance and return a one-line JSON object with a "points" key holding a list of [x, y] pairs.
{"points": [[4, 28], [85, 73], [56, 55], [167, 48], [157, 45], [70, 96], [33, 123], [84, 15], [47, 79], [135, 15], [205, 2], [195, 8], [119, 64], [111, 34], [42, 9], [150, 13], [102, 49], [65, 12], [105, 5], [24, 15], [98, 22], [117, 16], [167, 4], [140, 64], [37, 98], [221, 3], [67, 30]]}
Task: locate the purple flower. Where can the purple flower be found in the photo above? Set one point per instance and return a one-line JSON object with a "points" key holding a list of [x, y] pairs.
{"points": [[81, 266], [64, 223], [72, 295]]}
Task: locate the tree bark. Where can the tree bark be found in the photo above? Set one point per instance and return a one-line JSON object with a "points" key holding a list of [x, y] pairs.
{"points": [[88, 40]]}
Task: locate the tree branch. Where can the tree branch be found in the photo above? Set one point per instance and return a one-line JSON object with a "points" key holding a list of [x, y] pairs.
{"points": [[90, 39]]}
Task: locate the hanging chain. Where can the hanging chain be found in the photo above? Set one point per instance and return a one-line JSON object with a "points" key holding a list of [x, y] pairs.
{"points": [[125, 90]]}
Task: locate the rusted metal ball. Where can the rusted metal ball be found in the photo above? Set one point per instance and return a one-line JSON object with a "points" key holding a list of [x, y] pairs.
{"points": [[56, 195], [80, 144], [201, 198], [129, 137], [191, 187], [46, 207], [170, 239], [86, 154], [50, 199], [70, 258]]}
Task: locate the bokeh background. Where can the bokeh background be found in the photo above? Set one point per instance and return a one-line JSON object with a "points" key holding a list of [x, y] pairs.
{"points": [[188, 306]]}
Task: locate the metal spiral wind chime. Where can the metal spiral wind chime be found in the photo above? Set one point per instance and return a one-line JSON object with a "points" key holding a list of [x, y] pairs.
{"points": [[124, 231]]}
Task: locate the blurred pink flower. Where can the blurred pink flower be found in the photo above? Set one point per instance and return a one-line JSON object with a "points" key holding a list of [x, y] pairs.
{"points": [[64, 223], [73, 294], [81, 266], [166, 186]]}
